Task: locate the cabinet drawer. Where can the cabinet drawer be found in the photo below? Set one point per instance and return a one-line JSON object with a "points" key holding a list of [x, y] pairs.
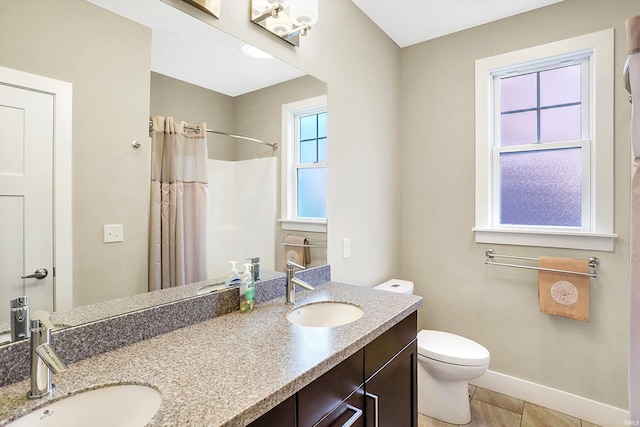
{"points": [[324, 394], [349, 413], [387, 345]]}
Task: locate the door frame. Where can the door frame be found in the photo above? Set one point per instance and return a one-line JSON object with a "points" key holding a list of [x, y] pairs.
{"points": [[62, 93]]}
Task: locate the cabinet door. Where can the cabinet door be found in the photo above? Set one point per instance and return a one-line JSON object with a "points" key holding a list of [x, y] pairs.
{"points": [[349, 413], [391, 394], [283, 415]]}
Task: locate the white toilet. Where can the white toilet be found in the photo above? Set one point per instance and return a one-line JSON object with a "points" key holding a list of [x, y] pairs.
{"points": [[446, 364]]}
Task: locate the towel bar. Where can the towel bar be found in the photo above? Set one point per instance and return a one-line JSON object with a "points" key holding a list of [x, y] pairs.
{"points": [[313, 243], [594, 263]]}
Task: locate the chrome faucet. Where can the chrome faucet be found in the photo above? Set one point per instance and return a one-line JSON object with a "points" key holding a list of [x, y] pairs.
{"points": [[292, 281], [44, 360]]}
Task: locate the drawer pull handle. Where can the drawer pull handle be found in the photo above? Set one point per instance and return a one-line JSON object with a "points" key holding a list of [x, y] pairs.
{"points": [[376, 416], [357, 413]]}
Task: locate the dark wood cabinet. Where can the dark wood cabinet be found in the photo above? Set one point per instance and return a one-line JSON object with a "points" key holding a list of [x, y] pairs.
{"points": [[327, 392], [376, 386], [391, 391], [283, 415]]}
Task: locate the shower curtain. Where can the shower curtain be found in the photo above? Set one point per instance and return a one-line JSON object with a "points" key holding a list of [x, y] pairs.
{"points": [[633, 73], [178, 223]]}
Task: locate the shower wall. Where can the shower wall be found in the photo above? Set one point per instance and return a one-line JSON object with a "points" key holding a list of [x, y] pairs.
{"points": [[242, 213]]}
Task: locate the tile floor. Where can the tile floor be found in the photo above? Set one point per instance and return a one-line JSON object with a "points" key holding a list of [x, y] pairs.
{"points": [[491, 409]]}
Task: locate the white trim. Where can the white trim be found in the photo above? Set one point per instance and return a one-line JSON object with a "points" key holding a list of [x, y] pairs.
{"points": [[287, 167], [63, 118], [557, 400], [318, 226], [601, 222]]}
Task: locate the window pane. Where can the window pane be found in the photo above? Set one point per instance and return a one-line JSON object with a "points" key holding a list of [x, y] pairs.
{"points": [[560, 86], [518, 93], [541, 188], [322, 125], [561, 124], [322, 150], [308, 151], [519, 128], [308, 127], [312, 193]]}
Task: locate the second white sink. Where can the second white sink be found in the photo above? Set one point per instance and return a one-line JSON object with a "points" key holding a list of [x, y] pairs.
{"points": [[325, 314], [121, 405]]}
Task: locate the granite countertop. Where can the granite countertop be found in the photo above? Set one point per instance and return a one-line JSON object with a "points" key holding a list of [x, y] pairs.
{"points": [[229, 370]]}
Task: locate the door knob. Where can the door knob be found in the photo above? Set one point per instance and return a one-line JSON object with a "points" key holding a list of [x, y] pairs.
{"points": [[40, 273]]}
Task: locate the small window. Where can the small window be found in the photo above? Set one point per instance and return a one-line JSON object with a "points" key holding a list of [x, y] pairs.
{"points": [[544, 145], [304, 165]]}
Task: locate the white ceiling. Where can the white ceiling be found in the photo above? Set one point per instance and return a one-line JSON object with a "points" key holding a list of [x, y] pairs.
{"points": [[408, 22], [191, 50]]}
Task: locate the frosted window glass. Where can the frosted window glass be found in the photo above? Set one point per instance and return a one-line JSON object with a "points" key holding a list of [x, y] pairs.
{"points": [[561, 124], [322, 125], [322, 150], [541, 188], [519, 93], [519, 128], [560, 86], [308, 127], [312, 193], [308, 151]]}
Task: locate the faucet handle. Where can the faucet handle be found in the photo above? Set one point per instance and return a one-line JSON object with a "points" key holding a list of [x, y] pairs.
{"points": [[293, 264], [51, 358]]}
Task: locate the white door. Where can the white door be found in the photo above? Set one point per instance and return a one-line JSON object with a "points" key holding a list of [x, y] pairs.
{"points": [[26, 197]]}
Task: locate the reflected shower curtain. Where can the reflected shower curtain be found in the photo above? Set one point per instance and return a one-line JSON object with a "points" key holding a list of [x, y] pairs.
{"points": [[633, 43], [178, 224]]}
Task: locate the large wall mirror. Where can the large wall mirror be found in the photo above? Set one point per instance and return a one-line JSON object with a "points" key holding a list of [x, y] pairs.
{"points": [[147, 58]]}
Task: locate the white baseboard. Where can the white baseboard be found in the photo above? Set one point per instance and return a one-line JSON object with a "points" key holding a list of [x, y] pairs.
{"points": [[567, 403]]}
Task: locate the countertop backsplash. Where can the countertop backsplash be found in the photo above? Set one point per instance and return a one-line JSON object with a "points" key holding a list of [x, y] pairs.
{"points": [[91, 339]]}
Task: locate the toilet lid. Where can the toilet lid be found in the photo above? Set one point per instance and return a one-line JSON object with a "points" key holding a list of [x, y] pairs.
{"points": [[451, 348]]}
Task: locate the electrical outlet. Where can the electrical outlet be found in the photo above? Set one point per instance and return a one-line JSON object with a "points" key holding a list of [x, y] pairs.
{"points": [[113, 233], [346, 248]]}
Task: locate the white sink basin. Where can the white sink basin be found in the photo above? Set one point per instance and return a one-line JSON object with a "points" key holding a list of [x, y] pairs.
{"points": [[325, 314], [210, 288], [120, 405]]}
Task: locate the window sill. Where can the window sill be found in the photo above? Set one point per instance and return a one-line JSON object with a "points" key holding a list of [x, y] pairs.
{"points": [[550, 239], [313, 225]]}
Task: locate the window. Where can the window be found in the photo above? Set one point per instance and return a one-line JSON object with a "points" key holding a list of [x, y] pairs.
{"points": [[544, 145], [304, 165]]}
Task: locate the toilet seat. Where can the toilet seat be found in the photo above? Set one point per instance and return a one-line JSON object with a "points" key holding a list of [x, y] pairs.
{"points": [[451, 348]]}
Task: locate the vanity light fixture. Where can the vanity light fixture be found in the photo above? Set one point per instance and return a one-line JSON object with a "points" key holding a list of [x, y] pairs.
{"points": [[287, 19], [211, 7]]}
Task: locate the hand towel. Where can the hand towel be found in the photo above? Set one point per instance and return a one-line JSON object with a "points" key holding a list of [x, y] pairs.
{"points": [[296, 251], [564, 294]]}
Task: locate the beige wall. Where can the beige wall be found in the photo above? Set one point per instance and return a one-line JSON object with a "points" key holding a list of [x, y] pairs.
{"points": [[361, 67], [191, 103], [494, 305], [107, 59]]}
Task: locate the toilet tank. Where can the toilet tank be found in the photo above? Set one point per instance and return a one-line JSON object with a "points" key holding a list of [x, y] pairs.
{"points": [[396, 285]]}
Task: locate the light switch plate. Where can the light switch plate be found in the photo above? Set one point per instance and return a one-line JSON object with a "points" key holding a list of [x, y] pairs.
{"points": [[113, 233]]}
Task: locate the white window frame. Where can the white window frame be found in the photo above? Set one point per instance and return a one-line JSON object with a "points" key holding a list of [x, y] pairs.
{"points": [[290, 113], [597, 230]]}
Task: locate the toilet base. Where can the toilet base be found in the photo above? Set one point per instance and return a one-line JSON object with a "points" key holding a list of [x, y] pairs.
{"points": [[446, 401]]}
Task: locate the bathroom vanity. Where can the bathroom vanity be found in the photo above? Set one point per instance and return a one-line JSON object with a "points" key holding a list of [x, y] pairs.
{"points": [[238, 369], [375, 386]]}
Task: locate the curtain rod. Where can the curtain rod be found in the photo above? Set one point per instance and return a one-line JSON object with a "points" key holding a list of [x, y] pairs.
{"points": [[196, 129]]}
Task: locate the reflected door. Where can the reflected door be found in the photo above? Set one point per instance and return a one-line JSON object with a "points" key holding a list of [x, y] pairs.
{"points": [[26, 197]]}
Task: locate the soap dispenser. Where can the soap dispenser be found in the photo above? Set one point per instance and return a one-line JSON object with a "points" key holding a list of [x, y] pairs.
{"points": [[247, 291], [234, 277]]}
